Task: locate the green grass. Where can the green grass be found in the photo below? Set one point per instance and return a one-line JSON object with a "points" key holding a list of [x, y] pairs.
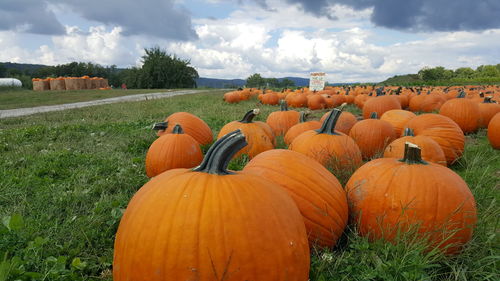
{"points": [[67, 176], [11, 98]]}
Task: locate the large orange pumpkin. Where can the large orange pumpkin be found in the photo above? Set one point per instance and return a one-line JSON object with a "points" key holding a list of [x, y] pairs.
{"points": [[494, 131], [345, 122], [372, 136], [397, 118], [281, 121], [211, 224], [380, 105], [191, 124], [431, 151], [317, 193], [170, 151], [331, 148], [388, 196], [257, 138], [301, 127], [463, 111], [487, 109], [441, 129]]}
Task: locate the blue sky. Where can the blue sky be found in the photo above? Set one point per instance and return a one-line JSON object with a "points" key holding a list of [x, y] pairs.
{"points": [[358, 40]]}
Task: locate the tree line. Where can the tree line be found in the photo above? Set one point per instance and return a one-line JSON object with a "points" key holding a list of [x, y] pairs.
{"points": [[257, 81], [159, 70]]}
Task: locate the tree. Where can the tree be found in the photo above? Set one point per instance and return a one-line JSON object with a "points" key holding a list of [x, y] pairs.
{"points": [[464, 72], [487, 71], [287, 83], [161, 70], [255, 81], [3, 71]]}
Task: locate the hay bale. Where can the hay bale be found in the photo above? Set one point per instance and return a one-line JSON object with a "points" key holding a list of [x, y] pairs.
{"points": [[73, 84], [80, 82], [41, 85], [95, 83], [103, 83], [58, 84], [87, 82]]}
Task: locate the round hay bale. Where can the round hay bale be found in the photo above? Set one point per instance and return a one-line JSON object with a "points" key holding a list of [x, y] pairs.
{"points": [[58, 84]]}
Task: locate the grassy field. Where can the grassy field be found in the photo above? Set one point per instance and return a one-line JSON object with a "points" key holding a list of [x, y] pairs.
{"points": [[67, 176], [11, 98]]}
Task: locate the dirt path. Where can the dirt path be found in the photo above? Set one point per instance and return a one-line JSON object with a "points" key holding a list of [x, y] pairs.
{"points": [[142, 97]]}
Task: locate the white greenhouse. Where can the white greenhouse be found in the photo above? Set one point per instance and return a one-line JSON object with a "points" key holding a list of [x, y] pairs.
{"points": [[11, 82]]}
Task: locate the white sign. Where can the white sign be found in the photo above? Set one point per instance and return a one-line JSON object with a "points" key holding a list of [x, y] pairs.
{"points": [[317, 81]]}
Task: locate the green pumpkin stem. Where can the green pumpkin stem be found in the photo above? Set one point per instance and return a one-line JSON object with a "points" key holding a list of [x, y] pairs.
{"points": [[303, 116], [249, 116], [178, 129], [374, 115], [412, 154], [328, 126], [487, 100], [409, 132], [283, 105], [160, 126], [461, 95], [221, 152]]}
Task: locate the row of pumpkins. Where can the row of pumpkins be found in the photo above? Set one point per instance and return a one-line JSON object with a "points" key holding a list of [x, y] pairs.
{"points": [[211, 223]]}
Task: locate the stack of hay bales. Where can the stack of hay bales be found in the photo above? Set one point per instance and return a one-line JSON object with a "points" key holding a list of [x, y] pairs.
{"points": [[41, 84], [70, 83], [57, 84]]}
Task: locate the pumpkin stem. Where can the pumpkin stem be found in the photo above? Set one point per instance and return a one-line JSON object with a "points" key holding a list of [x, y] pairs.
{"points": [[412, 154], [303, 116], [249, 116], [221, 152], [328, 126], [481, 94], [461, 95], [283, 105], [488, 100], [178, 129], [409, 132], [160, 126], [374, 115]]}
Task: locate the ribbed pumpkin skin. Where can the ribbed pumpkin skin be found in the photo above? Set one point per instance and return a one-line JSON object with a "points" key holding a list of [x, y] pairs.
{"points": [[494, 131], [318, 194], [172, 151], [398, 118], [464, 112], [372, 136], [281, 121], [431, 151], [432, 102], [257, 138], [185, 225], [380, 105], [298, 129], [315, 102], [231, 97], [267, 129], [487, 111], [443, 130], [332, 151], [431, 195], [270, 98], [192, 126], [345, 122], [416, 103]]}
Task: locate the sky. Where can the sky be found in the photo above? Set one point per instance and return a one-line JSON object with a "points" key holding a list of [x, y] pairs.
{"points": [[349, 40]]}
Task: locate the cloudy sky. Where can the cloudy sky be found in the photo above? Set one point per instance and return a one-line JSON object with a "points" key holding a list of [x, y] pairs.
{"points": [[350, 40]]}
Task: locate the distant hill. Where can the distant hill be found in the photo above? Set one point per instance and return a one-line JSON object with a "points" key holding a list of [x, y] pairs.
{"points": [[403, 79], [219, 83]]}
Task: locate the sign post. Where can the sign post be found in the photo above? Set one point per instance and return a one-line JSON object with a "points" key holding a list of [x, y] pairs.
{"points": [[317, 81]]}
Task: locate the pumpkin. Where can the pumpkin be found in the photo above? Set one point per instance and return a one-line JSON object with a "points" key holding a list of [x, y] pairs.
{"points": [[432, 102], [388, 196], [257, 138], [380, 105], [301, 127], [281, 121], [170, 151], [430, 149], [463, 111], [397, 118], [494, 131], [210, 223], [232, 97], [372, 136], [316, 101], [318, 194], [487, 109], [344, 123], [296, 100], [441, 129], [332, 149], [270, 98], [191, 124], [416, 101]]}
